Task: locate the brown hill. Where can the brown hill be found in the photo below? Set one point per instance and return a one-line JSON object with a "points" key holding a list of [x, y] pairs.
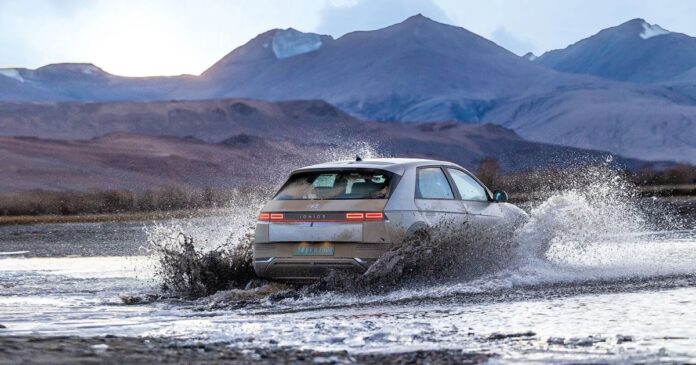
{"points": [[230, 142]]}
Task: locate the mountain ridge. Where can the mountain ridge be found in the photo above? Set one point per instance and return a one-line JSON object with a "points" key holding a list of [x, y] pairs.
{"points": [[420, 70], [634, 51], [115, 145]]}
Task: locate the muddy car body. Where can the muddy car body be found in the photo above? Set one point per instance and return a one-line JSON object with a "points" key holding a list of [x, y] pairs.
{"points": [[346, 214]]}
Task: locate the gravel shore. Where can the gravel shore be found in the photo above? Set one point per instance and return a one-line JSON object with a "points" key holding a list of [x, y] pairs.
{"points": [[128, 350]]}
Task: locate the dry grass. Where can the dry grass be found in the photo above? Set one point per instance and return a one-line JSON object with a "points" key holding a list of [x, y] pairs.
{"points": [[112, 205], [173, 202], [110, 217]]}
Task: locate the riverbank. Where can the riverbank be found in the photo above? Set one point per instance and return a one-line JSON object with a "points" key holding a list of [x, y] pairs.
{"points": [[111, 217], [683, 197], [685, 205], [130, 350]]}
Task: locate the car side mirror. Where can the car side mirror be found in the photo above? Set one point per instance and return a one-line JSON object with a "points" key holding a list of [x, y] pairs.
{"points": [[500, 196]]}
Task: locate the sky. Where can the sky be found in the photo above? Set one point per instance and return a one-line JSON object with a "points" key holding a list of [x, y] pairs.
{"points": [[171, 37]]}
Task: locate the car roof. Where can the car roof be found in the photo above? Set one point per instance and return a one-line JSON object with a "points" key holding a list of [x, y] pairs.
{"points": [[395, 165]]}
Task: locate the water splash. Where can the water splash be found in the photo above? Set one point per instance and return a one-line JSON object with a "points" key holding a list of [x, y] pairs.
{"points": [[451, 251], [599, 204], [591, 226], [601, 209], [196, 260], [187, 271]]}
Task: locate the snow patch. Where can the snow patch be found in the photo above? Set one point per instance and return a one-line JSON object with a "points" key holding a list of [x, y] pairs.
{"points": [[85, 68], [11, 73], [89, 70], [653, 30], [290, 42]]}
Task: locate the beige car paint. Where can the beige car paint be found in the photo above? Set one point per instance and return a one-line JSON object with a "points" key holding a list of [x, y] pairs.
{"points": [[356, 245]]}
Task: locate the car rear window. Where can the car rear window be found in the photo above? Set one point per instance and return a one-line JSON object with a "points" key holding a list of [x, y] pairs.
{"points": [[432, 184], [337, 185]]}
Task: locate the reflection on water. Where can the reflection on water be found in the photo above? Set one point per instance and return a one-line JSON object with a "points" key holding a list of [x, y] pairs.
{"points": [[101, 239], [636, 301], [81, 239], [591, 278]]}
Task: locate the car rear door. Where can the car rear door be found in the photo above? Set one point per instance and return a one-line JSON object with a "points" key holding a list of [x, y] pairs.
{"points": [[435, 197]]}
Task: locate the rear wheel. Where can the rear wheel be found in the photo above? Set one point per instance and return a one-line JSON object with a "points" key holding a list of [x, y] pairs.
{"points": [[400, 262], [417, 234]]}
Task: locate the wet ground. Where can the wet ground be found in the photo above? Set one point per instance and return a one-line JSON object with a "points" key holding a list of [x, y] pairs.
{"points": [[124, 350], [600, 293]]}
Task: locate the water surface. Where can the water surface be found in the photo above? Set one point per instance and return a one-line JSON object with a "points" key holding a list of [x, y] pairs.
{"points": [[589, 283]]}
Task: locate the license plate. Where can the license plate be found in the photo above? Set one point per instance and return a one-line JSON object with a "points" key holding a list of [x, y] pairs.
{"points": [[314, 251]]}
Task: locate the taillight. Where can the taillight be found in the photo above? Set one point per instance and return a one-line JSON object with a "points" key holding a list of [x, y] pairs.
{"points": [[321, 217], [378, 216], [368, 216], [355, 216]]}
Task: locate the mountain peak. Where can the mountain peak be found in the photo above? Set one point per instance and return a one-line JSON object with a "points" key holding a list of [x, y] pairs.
{"points": [[632, 22], [634, 51], [417, 18], [530, 56], [642, 28], [420, 19], [84, 68]]}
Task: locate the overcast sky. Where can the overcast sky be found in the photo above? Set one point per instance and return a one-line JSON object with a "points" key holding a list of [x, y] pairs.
{"points": [[158, 37]]}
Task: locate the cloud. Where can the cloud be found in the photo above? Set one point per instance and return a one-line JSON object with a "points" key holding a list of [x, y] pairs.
{"points": [[134, 37], [553, 24], [507, 39], [338, 19], [140, 38]]}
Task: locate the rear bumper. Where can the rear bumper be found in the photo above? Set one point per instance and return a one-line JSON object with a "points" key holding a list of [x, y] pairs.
{"points": [[276, 260], [347, 246], [306, 269]]}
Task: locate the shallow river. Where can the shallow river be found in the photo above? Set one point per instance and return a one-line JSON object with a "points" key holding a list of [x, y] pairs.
{"points": [[619, 295]]}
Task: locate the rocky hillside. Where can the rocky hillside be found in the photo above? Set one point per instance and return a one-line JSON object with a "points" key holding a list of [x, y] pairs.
{"points": [[159, 144]]}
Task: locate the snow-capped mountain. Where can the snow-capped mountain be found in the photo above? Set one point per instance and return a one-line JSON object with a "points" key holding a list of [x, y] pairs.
{"points": [[635, 51], [420, 70], [417, 70]]}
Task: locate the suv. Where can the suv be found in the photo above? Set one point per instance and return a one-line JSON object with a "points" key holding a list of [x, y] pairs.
{"points": [[346, 214]]}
